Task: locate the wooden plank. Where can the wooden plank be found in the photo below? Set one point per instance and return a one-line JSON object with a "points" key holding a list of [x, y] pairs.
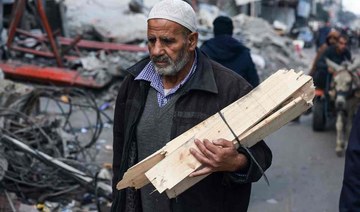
{"points": [[135, 176], [241, 115], [267, 126], [285, 114]]}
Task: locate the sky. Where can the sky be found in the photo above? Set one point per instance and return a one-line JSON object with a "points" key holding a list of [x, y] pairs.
{"points": [[352, 6]]}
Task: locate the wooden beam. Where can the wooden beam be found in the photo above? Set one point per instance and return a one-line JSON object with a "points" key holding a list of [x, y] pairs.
{"points": [[241, 115], [135, 176], [253, 107], [267, 126]]}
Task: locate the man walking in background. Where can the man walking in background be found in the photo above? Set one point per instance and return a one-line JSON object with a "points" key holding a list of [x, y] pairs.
{"points": [[229, 52]]}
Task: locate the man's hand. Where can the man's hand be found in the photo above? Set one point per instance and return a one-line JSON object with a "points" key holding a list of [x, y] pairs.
{"points": [[219, 155]]}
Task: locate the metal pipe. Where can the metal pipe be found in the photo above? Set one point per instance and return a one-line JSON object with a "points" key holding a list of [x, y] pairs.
{"points": [[18, 13], [49, 32]]}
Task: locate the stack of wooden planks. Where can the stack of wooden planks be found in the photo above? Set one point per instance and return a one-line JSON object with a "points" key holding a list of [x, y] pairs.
{"points": [[276, 101]]}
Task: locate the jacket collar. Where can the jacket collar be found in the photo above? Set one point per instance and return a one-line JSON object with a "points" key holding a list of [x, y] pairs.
{"points": [[203, 78]]}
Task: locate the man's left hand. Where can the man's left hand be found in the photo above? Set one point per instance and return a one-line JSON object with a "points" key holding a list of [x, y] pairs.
{"points": [[219, 155]]}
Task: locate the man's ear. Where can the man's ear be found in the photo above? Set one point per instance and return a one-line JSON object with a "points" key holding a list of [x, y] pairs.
{"points": [[193, 40]]}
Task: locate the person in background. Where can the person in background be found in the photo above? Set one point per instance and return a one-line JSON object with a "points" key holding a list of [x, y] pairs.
{"points": [[330, 41], [2, 5], [229, 52], [165, 95], [322, 34], [350, 191], [2, 40], [337, 53]]}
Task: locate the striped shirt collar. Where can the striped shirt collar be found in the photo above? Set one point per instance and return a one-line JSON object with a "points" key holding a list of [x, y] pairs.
{"points": [[149, 74]]}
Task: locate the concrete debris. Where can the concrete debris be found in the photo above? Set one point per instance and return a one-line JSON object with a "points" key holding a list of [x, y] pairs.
{"points": [[10, 92], [272, 51], [284, 15], [258, 60], [109, 19], [121, 61], [206, 15], [92, 62], [278, 52], [104, 65], [278, 25]]}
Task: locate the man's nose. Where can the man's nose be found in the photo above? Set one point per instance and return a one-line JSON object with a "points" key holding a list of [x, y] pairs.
{"points": [[157, 49]]}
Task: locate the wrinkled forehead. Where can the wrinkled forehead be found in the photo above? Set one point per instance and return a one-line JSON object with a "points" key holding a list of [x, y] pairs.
{"points": [[164, 26]]}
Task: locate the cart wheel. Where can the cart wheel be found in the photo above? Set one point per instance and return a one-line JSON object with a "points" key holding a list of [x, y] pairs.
{"points": [[319, 119]]}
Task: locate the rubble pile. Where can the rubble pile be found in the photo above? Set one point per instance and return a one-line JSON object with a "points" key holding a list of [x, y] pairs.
{"points": [[106, 64], [270, 51], [278, 52], [100, 65], [110, 20]]}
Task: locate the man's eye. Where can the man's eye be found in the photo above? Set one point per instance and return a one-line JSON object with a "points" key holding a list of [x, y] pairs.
{"points": [[151, 40], [167, 41]]}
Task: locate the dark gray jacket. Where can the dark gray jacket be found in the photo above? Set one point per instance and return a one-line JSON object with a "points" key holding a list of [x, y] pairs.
{"points": [[350, 192], [212, 88]]}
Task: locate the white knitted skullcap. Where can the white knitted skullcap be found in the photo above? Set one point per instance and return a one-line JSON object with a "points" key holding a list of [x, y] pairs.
{"points": [[175, 10]]}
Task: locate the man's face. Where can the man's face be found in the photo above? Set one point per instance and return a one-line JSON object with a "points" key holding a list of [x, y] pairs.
{"points": [[332, 40], [341, 44], [168, 46]]}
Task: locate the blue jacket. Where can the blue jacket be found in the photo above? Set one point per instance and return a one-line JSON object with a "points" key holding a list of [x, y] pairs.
{"points": [[350, 192], [232, 54]]}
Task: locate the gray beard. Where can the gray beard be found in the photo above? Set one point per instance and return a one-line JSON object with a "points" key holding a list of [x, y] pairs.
{"points": [[175, 66]]}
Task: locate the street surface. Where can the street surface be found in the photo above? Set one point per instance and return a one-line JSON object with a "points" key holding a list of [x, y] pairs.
{"points": [[306, 174]]}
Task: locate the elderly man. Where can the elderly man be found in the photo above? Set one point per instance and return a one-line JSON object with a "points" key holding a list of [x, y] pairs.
{"points": [[169, 93]]}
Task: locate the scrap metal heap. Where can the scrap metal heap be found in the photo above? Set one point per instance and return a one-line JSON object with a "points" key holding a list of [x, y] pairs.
{"points": [[65, 58], [44, 156]]}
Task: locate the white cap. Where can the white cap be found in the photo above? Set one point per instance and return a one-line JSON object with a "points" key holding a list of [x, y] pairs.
{"points": [[175, 10]]}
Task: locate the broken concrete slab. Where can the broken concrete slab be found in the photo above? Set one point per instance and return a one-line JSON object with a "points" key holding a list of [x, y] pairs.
{"points": [[112, 20]]}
